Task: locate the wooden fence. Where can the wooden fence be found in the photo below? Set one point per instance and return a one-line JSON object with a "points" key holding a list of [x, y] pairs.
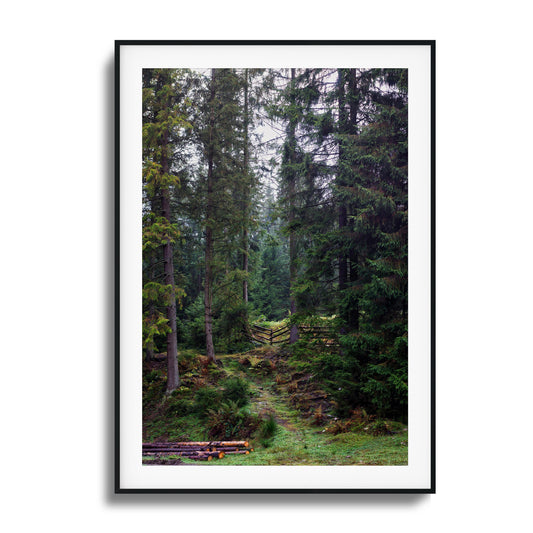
{"points": [[281, 335], [269, 335]]}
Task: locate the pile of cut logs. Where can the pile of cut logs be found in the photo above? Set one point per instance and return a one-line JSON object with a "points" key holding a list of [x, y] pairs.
{"points": [[199, 451]]}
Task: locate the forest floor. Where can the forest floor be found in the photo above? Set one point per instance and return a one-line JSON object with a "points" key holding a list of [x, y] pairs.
{"points": [[305, 433]]}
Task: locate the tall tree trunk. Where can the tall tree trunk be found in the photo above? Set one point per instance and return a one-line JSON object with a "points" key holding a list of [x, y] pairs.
{"points": [[292, 237], [353, 104], [208, 289], [173, 378], [343, 212], [246, 195], [245, 266], [151, 308]]}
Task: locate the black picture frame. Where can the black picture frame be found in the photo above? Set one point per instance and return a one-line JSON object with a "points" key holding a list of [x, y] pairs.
{"points": [[122, 49]]}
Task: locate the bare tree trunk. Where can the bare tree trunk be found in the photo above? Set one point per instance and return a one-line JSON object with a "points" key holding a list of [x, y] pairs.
{"points": [[150, 347], [293, 337], [245, 265], [173, 378], [208, 289], [208, 296], [246, 195]]}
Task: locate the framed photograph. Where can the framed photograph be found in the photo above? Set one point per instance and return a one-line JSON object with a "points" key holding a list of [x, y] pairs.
{"points": [[275, 283]]}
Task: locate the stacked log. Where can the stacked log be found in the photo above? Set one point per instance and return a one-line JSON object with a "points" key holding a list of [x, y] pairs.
{"points": [[199, 451]]}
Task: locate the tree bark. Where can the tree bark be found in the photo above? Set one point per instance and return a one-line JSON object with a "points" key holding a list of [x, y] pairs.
{"points": [[208, 289], [343, 212], [353, 103], [173, 378], [246, 195], [291, 133]]}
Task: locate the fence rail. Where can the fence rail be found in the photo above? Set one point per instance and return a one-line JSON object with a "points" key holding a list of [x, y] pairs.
{"points": [[280, 335]]}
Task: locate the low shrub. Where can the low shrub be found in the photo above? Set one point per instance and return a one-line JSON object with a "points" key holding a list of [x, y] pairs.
{"points": [[267, 431], [153, 392], [230, 421], [204, 400], [269, 427], [236, 390], [153, 376], [179, 408], [188, 361], [379, 427]]}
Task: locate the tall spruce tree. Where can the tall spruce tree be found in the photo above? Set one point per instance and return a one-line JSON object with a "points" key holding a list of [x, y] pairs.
{"points": [[228, 191], [246, 192], [351, 156], [290, 176], [210, 220], [163, 116], [374, 191], [307, 172]]}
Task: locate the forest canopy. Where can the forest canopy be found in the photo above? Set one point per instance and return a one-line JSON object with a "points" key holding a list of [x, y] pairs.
{"points": [[280, 196]]}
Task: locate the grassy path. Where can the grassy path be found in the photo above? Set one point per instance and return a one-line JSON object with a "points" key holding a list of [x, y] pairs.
{"points": [[297, 442]]}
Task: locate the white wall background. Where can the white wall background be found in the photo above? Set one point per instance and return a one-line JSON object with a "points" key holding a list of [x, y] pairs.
{"points": [[57, 272]]}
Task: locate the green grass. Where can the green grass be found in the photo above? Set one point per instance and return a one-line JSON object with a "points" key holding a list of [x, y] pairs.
{"points": [[293, 441], [313, 448], [271, 324], [296, 442]]}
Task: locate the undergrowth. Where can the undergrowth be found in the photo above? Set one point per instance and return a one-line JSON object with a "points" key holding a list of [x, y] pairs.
{"points": [[274, 398]]}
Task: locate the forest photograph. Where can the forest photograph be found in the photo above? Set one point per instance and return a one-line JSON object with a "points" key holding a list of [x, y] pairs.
{"points": [[274, 266]]}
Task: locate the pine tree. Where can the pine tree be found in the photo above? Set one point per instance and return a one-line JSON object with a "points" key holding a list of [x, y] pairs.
{"points": [[162, 117], [246, 189], [270, 290], [209, 223], [375, 299], [310, 205], [349, 157], [228, 192]]}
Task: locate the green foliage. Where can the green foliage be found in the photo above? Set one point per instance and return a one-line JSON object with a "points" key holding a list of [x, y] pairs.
{"points": [[157, 231], [180, 407], [270, 279], [228, 327], [345, 150], [269, 427], [231, 325], [367, 373], [229, 421], [163, 120], [153, 376], [267, 431], [153, 392], [387, 380], [236, 390], [379, 427], [205, 399], [360, 439], [189, 361], [195, 324], [302, 356]]}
